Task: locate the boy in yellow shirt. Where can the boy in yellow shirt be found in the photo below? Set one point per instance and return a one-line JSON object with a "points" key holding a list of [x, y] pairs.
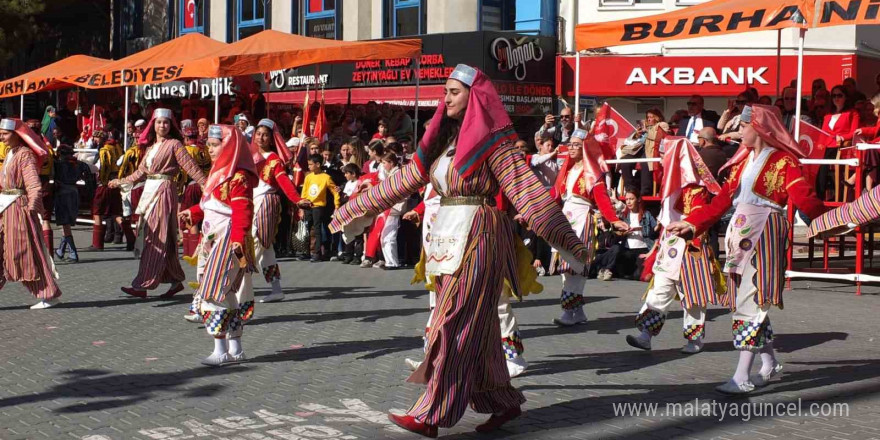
{"points": [[314, 203]]}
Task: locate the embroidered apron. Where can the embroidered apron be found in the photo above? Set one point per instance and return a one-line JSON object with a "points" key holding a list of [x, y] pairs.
{"points": [[743, 232]]}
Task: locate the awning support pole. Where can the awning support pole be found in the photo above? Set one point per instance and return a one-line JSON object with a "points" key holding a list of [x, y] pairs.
{"points": [[416, 128], [21, 112], [800, 86], [125, 110], [577, 86]]}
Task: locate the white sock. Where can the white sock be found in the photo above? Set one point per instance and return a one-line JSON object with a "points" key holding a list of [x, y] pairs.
{"points": [[276, 285], [742, 368], [768, 358], [234, 346], [220, 346]]}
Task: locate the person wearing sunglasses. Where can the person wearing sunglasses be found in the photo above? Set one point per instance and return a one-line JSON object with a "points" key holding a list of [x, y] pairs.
{"points": [[789, 103], [560, 127], [698, 117], [841, 125]]}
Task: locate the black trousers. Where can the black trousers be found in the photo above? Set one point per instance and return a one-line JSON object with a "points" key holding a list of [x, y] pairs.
{"points": [[622, 261]]}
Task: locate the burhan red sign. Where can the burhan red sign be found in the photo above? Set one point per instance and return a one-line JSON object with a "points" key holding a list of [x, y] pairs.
{"points": [[683, 76]]}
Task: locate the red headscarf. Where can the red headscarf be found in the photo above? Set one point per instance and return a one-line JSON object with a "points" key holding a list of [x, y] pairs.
{"points": [[485, 126], [684, 167], [234, 155], [280, 145], [144, 138], [767, 121], [594, 166], [29, 137]]}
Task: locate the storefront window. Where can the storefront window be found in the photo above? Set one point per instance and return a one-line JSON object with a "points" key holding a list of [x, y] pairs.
{"points": [[192, 16], [497, 15], [251, 17], [319, 19], [404, 17]]}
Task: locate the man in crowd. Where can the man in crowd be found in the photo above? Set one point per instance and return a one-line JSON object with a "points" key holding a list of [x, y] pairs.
{"points": [[561, 130], [698, 118], [789, 103]]}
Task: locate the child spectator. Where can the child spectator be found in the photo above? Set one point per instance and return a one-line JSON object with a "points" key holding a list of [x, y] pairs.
{"points": [[314, 203], [354, 250], [381, 130]]}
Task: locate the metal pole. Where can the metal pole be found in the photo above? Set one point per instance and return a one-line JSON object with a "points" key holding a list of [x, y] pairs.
{"points": [[217, 101], [778, 62], [577, 86], [418, 73], [800, 85], [126, 111], [21, 112]]}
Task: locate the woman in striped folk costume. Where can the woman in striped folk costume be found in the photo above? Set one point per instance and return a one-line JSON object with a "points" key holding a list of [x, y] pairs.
{"points": [[156, 244], [25, 256], [579, 184], [225, 298], [765, 173], [511, 339], [271, 156], [683, 269], [468, 155]]}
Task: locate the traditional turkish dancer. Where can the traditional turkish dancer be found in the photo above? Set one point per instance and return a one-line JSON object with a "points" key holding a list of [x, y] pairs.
{"points": [[107, 203], [225, 298], [271, 156], [156, 244], [764, 174], [685, 269], [25, 256], [581, 187], [467, 154]]}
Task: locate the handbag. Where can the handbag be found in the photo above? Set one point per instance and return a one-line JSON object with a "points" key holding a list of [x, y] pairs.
{"points": [[300, 240]]}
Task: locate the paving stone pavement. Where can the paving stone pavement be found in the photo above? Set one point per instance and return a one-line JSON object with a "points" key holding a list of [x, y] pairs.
{"points": [[327, 363]]}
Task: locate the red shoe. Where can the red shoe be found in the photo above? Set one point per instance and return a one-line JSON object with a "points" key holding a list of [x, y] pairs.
{"points": [[497, 420], [176, 288], [137, 293], [410, 424]]}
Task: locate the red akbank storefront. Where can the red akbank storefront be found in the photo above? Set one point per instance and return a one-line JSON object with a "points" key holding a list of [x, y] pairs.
{"points": [[671, 80]]}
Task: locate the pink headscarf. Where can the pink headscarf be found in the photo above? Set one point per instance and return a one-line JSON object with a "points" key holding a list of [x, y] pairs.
{"points": [[28, 136], [485, 126], [684, 167], [280, 145], [144, 138], [767, 121], [234, 155]]}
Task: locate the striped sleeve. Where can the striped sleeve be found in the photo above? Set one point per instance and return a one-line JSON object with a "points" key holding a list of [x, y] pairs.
{"points": [[396, 188], [533, 201]]}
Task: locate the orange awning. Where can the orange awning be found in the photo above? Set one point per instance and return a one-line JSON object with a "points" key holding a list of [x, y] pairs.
{"points": [[43, 78], [721, 17], [273, 50], [170, 61]]}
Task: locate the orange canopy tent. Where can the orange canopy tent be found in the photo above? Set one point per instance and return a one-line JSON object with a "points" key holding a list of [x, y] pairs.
{"points": [[42, 79], [273, 50], [169, 61], [720, 17]]}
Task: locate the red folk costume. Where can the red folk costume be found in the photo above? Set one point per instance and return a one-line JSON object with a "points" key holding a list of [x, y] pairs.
{"points": [[25, 257], [470, 254], [107, 201], [759, 187], [156, 244], [271, 170], [683, 269], [580, 187], [225, 298]]}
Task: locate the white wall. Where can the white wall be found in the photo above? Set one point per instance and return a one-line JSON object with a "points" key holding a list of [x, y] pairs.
{"points": [[218, 14], [451, 16], [357, 19], [282, 16]]}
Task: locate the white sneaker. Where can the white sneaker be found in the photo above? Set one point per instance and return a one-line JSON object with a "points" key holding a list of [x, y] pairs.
{"points": [[43, 304], [579, 316], [273, 297], [413, 365], [193, 317], [516, 366], [379, 264], [366, 263], [733, 388], [761, 380], [569, 318], [215, 360], [236, 358], [541, 271], [693, 347]]}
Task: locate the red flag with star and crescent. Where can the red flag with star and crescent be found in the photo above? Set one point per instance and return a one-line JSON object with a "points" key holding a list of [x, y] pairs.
{"points": [[814, 139], [189, 14], [610, 129]]}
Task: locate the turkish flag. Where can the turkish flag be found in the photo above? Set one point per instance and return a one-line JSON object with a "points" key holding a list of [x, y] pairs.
{"points": [[814, 139], [307, 110], [322, 128], [189, 14], [610, 129]]}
